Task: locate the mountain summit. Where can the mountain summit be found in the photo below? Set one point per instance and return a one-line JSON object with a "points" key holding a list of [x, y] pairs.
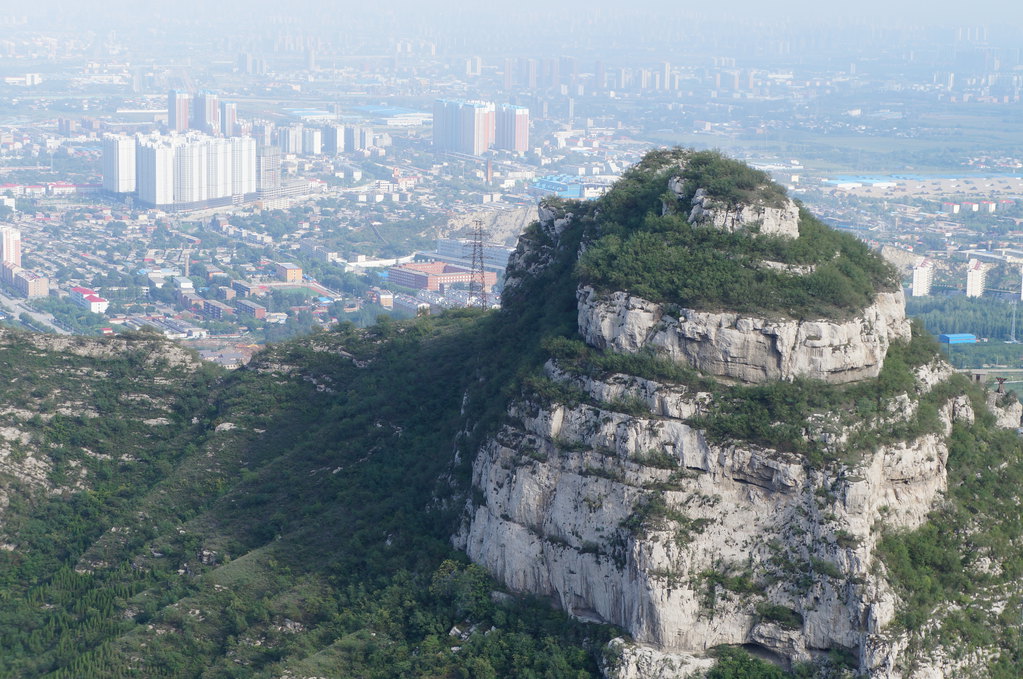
{"points": [[737, 442]]}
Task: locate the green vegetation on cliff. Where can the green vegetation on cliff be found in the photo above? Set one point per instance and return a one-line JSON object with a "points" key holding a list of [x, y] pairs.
{"points": [[643, 244]]}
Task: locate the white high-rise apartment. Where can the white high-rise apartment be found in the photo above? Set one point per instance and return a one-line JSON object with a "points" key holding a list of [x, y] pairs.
{"points": [[190, 172], [219, 162], [976, 278], [118, 164], [923, 277], [289, 139], [512, 128], [207, 112], [243, 165], [312, 141], [228, 118], [154, 159], [10, 245]]}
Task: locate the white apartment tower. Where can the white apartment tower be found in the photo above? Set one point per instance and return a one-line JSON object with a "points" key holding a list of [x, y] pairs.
{"points": [[243, 165], [118, 164], [10, 245], [228, 118], [155, 177], [219, 167], [923, 277], [312, 141], [190, 173], [289, 139], [512, 128], [976, 278]]}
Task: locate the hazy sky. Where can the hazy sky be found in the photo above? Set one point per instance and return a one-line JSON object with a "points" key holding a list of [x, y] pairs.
{"points": [[534, 25], [931, 12]]}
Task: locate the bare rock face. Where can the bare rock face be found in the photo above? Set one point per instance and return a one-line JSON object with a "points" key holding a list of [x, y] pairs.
{"points": [[536, 247], [1008, 412], [632, 661], [745, 348], [642, 522], [758, 216]]}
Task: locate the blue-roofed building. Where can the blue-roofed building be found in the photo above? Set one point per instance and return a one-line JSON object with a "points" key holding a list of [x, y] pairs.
{"points": [[957, 338], [570, 186]]}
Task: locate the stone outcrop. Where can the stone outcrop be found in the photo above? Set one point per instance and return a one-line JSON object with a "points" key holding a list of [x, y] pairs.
{"points": [[743, 348], [631, 661], [642, 522], [781, 220]]}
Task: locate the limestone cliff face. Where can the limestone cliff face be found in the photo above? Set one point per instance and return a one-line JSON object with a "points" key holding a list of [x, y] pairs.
{"points": [[619, 505], [642, 522], [748, 349]]}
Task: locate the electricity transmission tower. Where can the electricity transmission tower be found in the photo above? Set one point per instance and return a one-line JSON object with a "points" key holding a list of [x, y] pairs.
{"points": [[478, 277]]}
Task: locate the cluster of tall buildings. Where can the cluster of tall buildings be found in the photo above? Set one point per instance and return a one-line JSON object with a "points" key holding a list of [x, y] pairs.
{"points": [[472, 127], [191, 169], [329, 140], [203, 112]]}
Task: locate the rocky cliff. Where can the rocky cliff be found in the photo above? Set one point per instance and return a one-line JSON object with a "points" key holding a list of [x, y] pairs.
{"points": [[747, 348], [643, 484]]}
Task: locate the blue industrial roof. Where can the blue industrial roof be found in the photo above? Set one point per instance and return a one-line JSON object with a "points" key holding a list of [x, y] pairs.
{"points": [[957, 338]]}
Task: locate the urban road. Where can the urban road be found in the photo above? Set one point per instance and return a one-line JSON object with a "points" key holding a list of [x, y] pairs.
{"points": [[41, 321]]}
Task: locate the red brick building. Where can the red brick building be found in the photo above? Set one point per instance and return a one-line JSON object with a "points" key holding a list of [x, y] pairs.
{"points": [[431, 275]]}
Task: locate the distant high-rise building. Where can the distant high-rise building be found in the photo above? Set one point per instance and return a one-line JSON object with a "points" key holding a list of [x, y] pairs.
{"points": [[228, 118], [207, 113], [190, 173], [312, 141], [263, 133], [531, 69], [923, 277], [976, 278], [509, 73], [512, 128], [367, 137], [118, 164], [445, 125], [194, 169], [289, 139], [268, 168], [333, 139], [463, 126], [243, 166], [10, 245], [358, 137], [179, 106], [154, 161]]}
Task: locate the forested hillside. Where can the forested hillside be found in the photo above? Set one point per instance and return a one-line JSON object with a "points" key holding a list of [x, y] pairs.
{"points": [[290, 519]]}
